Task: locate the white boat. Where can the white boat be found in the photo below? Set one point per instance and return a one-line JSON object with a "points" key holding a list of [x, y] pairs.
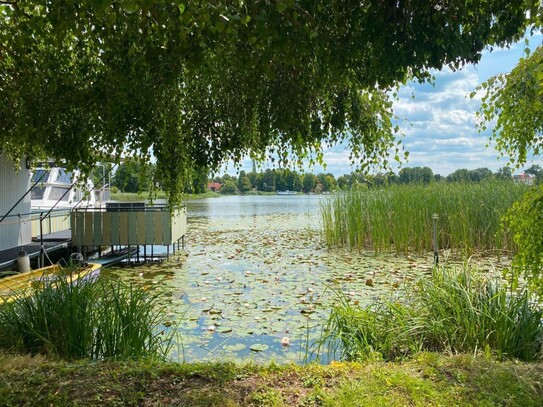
{"points": [[57, 188], [287, 192]]}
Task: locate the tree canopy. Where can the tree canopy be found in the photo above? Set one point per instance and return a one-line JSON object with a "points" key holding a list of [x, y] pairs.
{"points": [[514, 102], [195, 83]]}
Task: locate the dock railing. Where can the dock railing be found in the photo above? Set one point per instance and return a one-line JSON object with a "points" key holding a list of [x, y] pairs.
{"points": [[128, 225]]}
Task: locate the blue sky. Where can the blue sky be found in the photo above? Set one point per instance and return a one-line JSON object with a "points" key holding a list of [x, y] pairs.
{"points": [[440, 130]]}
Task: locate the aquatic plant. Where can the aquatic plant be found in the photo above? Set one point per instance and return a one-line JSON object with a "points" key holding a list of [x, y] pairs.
{"points": [[87, 318], [399, 218], [454, 311]]}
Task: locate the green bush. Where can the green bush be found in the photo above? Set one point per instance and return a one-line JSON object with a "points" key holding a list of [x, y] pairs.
{"points": [[453, 311], [229, 188], [87, 318], [525, 221]]}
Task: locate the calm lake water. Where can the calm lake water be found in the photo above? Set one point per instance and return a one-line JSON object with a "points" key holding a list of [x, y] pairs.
{"points": [[255, 272]]}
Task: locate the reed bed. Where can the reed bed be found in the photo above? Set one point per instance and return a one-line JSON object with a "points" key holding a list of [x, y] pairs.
{"points": [[455, 312], [91, 318], [399, 218]]}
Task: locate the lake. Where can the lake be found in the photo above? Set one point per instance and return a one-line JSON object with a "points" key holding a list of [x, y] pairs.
{"points": [[255, 272]]}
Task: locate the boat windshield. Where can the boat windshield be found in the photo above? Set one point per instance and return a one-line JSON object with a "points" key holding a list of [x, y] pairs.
{"points": [[57, 193], [64, 176], [40, 175], [37, 193]]}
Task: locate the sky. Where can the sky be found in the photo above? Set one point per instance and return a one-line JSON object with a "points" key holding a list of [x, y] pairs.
{"points": [[439, 125]]}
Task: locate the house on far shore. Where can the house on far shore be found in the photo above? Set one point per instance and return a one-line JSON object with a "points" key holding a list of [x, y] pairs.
{"points": [[527, 179], [214, 186]]}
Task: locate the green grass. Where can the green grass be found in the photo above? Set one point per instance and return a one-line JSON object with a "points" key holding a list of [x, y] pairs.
{"points": [[88, 318], [427, 380], [453, 312], [399, 218]]}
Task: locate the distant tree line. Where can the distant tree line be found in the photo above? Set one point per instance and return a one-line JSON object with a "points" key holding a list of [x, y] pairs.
{"points": [[285, 179], [135, 177]]}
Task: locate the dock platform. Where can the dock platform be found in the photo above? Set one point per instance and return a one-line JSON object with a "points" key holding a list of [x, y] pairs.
{"points": [[52, 243]]}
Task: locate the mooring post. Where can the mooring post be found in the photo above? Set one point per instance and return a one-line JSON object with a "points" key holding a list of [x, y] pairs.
{"points": [[435, 218]]}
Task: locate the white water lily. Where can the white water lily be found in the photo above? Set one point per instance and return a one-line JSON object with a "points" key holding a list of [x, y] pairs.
{"points": [[285, 341]]}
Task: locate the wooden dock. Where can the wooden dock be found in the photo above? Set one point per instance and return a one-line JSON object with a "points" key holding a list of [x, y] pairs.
{"points": [[128, 226]]}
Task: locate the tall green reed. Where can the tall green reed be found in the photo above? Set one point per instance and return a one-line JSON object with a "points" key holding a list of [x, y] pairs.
{"points": [[86, 318], [452, 312], [399, 218]]}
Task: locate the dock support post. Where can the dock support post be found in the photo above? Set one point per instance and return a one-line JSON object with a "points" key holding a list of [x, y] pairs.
{"points": [[42, 254], [435, 217]]}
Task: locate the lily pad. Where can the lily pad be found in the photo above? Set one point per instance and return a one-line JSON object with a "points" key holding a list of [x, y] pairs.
{"points": [[237, 347], [259, 347]]}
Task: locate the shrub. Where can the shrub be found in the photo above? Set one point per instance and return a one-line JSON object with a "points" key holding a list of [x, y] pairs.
{"points": [[525, 221], [451, 312], [229, 188], [86, 318]]}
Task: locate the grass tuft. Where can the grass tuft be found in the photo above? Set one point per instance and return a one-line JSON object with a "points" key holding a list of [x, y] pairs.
{"points": [[399, 218], [91, 318], [457, 312]]}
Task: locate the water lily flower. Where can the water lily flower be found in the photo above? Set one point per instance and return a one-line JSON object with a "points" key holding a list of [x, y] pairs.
{"points": [[285, 341]]}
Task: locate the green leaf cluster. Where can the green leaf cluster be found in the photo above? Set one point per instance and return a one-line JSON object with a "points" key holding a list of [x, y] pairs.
{"points": [[196, 83], [525, 221], [513, 104]]}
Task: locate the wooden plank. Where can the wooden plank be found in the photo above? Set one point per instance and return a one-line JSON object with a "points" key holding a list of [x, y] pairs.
{"points": [[123, 228], [166, 227], [132, 228], [97, 235], [157, 221], [140, 221], [73, 228], [149, 228], [115, 229], [80, 224], [88, 219], [106, 229]]}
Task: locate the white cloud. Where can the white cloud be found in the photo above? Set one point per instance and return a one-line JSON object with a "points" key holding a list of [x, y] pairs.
{"points": [[440, 132]]}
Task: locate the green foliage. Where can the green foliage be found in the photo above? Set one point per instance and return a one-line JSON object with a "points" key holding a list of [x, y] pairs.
{"points": [[244, 183], [514, 101], [477, 175], [197, 83], [88, 318], [451, 312], [525, 221], [309, 182], [399, 217], [229, 188], [416, 175], [133, 177]]}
